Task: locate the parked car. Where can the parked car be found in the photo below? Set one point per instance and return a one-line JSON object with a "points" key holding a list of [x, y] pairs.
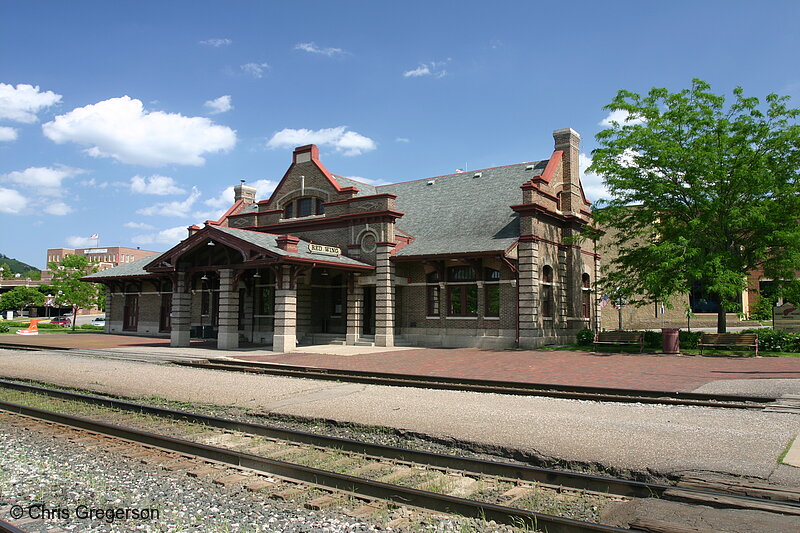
{"points": [[99, 321], [62, 321]]}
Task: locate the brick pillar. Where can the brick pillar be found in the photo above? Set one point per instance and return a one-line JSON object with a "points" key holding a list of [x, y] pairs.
{"points": [[598, 310], [528, 269], [181, 317], [384, 296], [109, 301], [562, 288], [355, 308], [284, 337], [228, 335]]}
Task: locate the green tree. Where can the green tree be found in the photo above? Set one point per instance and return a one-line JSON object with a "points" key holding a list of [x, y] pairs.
{"points": [[701, 192], [68, 288], [6, 271], [19, 298]]}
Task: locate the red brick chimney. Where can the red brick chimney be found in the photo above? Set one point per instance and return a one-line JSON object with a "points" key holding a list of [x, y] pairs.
{"points": [[569, 142], [288, 243]]}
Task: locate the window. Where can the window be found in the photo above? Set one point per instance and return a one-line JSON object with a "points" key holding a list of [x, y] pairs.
{"points": [[320, 207], [265, 301], [462, 300], [492, 292], [304, 207], [547, 292], [433, 293], [586, 293], [287, 210]]}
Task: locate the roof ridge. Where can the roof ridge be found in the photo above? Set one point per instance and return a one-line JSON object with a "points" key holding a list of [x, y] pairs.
{"points": [[458, 173]]}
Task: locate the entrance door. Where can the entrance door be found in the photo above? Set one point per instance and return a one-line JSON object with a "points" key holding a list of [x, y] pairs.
{"points": [[165, 318], [368, 310], [130, 316]]}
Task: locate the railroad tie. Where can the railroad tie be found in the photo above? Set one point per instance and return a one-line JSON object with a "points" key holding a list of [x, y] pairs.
{"points": [[232, 479], [366, 510], [205, 470], [287, 494], [515, 493], [323, 502], [258, 484]]}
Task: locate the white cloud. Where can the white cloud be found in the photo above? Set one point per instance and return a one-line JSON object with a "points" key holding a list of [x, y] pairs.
{"points": [[12, 202], [592, 183], [80, 242], [7, 134], [434, 68], [57, 208], [348, 142], [314, 49], [46, 180], [169, 236], [225, 199], [122, 129], [620, 116], [219, 105], [155, 184], [402, 140], [172, 209], [216, 43], [94, 183], [138, 225], [255, 69], [21, 104]]}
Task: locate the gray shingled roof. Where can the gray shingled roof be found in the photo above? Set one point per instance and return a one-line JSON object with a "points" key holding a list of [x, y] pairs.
{"points": [[364, 189], [460, 213], [269, 241], [262, 240], [134, 268]]}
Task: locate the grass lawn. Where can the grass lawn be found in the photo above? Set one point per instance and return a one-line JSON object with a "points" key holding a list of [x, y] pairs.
{"points": [[684, 351]]}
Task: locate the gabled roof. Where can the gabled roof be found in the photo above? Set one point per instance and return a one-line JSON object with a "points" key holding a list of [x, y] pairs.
{"points": [[462, 213]]}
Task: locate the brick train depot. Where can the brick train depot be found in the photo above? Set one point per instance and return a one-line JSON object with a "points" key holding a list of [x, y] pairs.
{"points": [[483, 258]]}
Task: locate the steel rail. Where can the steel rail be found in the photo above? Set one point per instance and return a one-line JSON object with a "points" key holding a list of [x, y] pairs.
{"points": [[576, 392], [574, 480], [5, 527], [342, 482]]}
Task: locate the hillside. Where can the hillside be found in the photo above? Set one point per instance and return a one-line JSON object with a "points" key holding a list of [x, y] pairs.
{"points": [[17, 267]]}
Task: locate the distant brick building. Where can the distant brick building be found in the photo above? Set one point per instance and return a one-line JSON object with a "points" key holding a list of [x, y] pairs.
{"points": [[105, 256], [480, 258]]}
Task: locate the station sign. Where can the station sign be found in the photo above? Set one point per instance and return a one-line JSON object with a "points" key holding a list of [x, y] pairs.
{"points": [[786, 317], [324, 250]]}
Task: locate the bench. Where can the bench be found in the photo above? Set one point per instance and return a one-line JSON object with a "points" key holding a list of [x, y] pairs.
{"points": [[728, 340], [620, 337]]}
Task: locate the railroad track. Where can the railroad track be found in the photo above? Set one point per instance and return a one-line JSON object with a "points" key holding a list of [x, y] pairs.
{"points": [[503, 492], [499, 387]]}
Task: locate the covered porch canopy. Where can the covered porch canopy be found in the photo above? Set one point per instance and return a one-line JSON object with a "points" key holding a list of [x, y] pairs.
{"points": [[234, 259]]}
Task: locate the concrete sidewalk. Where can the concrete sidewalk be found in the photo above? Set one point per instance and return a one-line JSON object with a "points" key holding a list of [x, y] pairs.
{"points": [[642, 438]]}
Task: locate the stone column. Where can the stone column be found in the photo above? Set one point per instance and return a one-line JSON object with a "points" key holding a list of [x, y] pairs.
{"points": [[355, 312], [109, 302], [562, 287], [228, 335], [181, 317], [528, 269], [384, 295], [284, 337]]}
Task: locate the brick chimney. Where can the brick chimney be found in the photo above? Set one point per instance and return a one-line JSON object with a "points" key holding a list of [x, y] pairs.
{"points": [[304, 154], [288, 243], [244, 192], [568, 141]]}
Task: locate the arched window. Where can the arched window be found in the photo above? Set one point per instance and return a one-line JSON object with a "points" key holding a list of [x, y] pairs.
{"points": [[586, 294], [546, 296], [304, 207]]}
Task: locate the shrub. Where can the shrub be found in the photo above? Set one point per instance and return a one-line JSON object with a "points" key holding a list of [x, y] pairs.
{"points": [[689, 339], [770, 340], [92, 327], [48, 325], [585, 337], [4, 328], [762, 310]]}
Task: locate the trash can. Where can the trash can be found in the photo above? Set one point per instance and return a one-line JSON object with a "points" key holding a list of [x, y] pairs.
{"points": [[670, 340]]}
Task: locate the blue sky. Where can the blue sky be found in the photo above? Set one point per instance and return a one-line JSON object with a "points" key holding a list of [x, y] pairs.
{"points": [[133, 120]]}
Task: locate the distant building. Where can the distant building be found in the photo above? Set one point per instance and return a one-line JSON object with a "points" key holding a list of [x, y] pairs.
{"points": [[106, 257]]}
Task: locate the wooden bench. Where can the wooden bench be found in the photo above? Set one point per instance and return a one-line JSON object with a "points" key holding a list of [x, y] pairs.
{"points": [[728, 340], [620, 337]]}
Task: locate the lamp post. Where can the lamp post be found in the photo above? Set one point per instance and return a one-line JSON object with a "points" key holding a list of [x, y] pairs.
{"points": [[48, 304]]}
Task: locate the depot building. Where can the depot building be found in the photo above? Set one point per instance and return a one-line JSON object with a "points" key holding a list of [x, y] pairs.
{"points": [[480, 258]]}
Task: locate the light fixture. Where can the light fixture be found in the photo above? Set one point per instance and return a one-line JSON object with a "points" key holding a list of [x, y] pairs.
{"points": [[324, 272], [204, 278], [256, 275], [210, 243]]}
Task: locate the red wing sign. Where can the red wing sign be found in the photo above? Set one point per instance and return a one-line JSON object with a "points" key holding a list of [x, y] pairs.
{"points": [[786, 317]]}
